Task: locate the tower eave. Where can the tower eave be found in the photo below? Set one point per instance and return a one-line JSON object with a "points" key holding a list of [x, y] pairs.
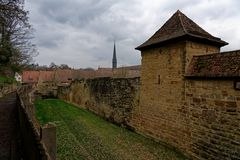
{"points": [[187, 37]]}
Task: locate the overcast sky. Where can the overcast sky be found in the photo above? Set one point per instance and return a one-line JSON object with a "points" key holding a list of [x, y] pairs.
{"points": [[81, 33]]}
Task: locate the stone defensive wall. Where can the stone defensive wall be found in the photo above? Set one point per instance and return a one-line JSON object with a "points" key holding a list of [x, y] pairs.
{"points": [[111, 98], [38, 143], [204, 124], [212, 111]]}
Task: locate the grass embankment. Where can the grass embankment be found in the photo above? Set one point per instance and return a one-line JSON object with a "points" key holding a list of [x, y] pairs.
{"points": [[7, 80], [83, 135]]}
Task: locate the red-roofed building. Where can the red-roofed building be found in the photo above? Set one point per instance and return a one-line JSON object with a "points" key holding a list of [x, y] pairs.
{"points": [[63, 76], [46, 76], [30, 76]]}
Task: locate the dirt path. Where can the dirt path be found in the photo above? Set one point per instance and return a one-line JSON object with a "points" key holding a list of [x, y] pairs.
{"points": [[9, 135]]}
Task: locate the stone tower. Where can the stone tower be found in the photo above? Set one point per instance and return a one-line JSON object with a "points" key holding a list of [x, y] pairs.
{"points": [[165, 57], [114, 59]]}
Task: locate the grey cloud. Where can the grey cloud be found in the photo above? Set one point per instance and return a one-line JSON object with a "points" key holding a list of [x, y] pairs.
{"points": [[73, 12], [81, 32], [181, 5]]}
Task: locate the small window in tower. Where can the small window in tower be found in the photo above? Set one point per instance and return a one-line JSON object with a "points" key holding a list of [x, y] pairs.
{"points": [[169, 58], [160, 51], [237, 85], [159, 79]]}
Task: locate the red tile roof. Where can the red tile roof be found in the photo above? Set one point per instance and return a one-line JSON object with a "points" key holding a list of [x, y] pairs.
{"points": [[136, 67], [46, 76], [225, 64], [180, 26], [63, 76], [66, 76], [30, 76]]}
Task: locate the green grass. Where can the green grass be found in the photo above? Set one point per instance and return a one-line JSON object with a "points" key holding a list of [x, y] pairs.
{"points": [[7, 80], [83, 135]]}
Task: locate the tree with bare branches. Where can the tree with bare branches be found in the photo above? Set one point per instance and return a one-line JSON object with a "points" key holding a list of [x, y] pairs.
{"points": [[16, 49]]}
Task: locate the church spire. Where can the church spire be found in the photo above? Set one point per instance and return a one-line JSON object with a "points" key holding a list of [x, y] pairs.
{"points": [[114, 60]]}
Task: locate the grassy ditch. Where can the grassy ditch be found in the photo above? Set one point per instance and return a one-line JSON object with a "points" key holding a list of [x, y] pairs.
{"points": [[83, 135]]}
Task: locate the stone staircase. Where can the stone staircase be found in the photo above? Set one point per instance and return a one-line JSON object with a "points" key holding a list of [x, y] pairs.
{"points": [[9, 128]]}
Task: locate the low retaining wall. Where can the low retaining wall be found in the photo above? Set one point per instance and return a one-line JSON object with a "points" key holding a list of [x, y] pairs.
{"points": [[33, 136], [111, 98], [6, 89]]}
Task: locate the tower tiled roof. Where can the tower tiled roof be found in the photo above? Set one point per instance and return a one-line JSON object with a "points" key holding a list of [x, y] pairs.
{"points": [[225, 64], [180, 26]]}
